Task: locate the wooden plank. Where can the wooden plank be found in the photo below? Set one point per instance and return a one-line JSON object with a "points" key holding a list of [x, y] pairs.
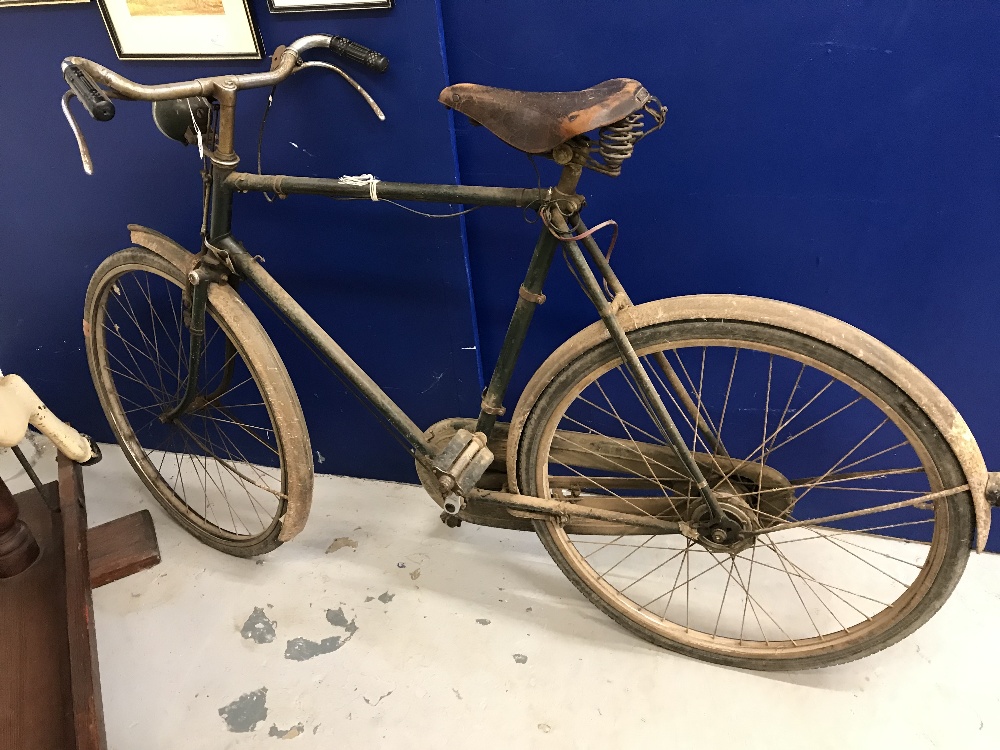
{"points": [[34, 651], [88, 713], [122, 547]]}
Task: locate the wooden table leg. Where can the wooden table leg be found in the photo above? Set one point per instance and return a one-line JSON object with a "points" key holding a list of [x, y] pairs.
{"points": [[18, 548]]}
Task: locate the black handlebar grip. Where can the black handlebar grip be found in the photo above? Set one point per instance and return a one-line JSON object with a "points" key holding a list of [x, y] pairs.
{"points": [[359, 53], [93, 98]]}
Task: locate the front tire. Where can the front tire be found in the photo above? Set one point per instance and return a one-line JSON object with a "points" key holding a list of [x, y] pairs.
{"points": [[238, 460]]}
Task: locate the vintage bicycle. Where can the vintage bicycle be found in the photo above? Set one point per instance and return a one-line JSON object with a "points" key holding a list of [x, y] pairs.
{"points": [[738, 479]]}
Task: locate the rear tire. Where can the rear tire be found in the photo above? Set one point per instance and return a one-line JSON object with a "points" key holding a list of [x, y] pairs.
{"points": [[630, 576]]}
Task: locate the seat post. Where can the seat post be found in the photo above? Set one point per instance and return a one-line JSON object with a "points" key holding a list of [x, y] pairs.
{"points": [[569, 178]]}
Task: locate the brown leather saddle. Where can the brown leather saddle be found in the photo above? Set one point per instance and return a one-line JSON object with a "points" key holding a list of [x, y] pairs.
{"points": [[537, 122]]}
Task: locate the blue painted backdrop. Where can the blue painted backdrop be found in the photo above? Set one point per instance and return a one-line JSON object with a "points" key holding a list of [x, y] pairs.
{"points": [[842, 155], [417, 338]]}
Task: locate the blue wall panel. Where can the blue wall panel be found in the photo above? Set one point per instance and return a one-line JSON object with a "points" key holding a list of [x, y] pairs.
{"points": [[842, 155], [392, 287]]}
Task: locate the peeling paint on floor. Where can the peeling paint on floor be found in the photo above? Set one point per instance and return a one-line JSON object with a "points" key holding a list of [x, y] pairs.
{"points": [[339, 619], [340, 542], [286, 734], [244, 713], [386, 597], [592, 683], [302, 649], [378, 700], [483, 621], [520, 658], [258, 628]]}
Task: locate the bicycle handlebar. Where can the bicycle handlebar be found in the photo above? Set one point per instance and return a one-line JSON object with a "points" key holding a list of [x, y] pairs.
{"points": [[359, 53], [122, 88], [93, 98], [85, 78]]}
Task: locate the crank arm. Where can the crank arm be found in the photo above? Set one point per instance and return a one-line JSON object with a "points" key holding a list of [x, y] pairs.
{"points": [[572, 510]]}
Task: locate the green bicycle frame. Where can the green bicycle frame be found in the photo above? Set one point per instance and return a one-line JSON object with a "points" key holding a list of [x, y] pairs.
{"points": [[225, 251]]}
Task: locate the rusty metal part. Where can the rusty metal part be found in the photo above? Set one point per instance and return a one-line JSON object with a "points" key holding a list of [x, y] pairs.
{"points": [[858, 344], [163, 246], [459, 466], [517, 330], [571, 511], [399, 191], [495, 411], [615, 456], [913, 501], [616, 142], [993, 488], [483, 514], [740, 511], [537, 122], [538, 299], [646, 390]]}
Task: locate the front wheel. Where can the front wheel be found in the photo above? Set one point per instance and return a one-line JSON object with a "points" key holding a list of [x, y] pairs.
{"points": [[236, 464], [787, 427]]}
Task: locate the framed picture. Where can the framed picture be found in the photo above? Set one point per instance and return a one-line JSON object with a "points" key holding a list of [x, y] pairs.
{"points": [[292, 6], [38, 2], [182, 29]]}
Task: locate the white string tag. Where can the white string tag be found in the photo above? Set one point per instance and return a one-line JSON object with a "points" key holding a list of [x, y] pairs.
{"points": [[201, 140], [363, 179]]}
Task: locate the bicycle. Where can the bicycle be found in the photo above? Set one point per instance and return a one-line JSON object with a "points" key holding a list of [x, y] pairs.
{"points": [[614, 454]]}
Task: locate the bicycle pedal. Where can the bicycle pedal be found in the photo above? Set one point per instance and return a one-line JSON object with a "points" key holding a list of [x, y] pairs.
{"points": [[460, 465]]}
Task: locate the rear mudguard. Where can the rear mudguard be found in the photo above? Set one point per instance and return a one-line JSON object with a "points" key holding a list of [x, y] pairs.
{"points": [[831, 331]]}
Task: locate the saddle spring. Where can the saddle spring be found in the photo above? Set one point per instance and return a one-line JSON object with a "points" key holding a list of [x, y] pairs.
{"points": [[616, 142]]}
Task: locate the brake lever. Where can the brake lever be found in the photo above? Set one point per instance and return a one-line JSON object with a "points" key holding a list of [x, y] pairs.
{"points": [[81, 142], [354, 84]]}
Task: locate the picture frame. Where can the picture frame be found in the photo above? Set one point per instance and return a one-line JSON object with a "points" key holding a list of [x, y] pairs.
{"points": [[303, 6], [182, 29], [13, 3]]}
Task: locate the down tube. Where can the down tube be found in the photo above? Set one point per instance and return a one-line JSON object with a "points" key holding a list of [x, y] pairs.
{"points": [[313, 331]]}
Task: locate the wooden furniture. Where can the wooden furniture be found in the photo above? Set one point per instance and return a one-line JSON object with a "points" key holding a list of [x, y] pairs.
{"points": [[50, 697]]}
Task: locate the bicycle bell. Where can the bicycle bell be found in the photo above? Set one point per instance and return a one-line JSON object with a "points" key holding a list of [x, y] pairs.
{"points": [[176, 118]]}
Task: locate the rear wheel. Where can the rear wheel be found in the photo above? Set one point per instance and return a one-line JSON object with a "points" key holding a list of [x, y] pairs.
{"points": [[231, 466], [804, 431]]}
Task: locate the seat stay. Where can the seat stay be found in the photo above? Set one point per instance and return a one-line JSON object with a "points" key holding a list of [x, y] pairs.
{"points": [[653, 402]]}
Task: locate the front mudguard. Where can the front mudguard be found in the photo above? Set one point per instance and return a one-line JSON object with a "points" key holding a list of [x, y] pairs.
{"points": [[296, 514]]}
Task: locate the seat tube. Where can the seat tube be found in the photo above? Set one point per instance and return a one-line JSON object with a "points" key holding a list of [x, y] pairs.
{"points": [[529, 297]]}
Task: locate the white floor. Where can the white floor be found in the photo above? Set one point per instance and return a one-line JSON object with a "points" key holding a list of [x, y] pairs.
{"points": [[421, 636]]}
